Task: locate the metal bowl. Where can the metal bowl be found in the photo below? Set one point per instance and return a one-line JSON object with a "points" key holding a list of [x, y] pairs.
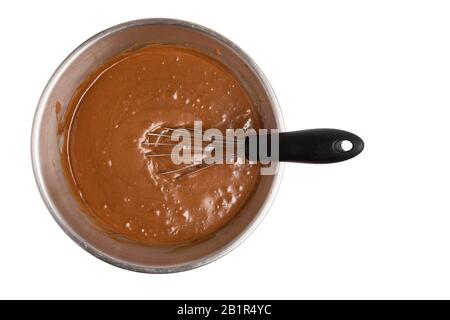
{"points": [[46, 145]]}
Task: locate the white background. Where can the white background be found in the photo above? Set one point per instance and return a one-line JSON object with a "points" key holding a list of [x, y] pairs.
{"points": [[377, 226]]}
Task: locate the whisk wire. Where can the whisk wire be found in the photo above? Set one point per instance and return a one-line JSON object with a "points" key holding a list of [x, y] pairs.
{"points": [[160, 140]]}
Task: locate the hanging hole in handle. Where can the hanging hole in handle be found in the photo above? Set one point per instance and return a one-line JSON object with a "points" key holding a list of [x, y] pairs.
{"points": [[343, 145]]}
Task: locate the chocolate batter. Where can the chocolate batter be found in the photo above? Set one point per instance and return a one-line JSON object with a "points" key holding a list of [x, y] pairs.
{"points": [[107, 120]]}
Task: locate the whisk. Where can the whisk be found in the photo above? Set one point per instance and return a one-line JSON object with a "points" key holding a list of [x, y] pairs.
{"points": [[304, 146]]}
